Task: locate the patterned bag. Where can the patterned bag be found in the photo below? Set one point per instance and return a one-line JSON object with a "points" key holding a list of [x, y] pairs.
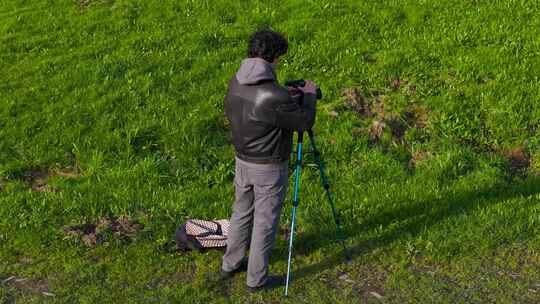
{"points": [[200, 234]]}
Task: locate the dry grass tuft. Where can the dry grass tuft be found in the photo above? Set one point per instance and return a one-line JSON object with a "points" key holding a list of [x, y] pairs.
{"points": [[376, 131], [417, 157], [397, 83]]}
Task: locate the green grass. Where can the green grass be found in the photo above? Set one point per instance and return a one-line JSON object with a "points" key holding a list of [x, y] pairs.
{"points": [[127, 98]]}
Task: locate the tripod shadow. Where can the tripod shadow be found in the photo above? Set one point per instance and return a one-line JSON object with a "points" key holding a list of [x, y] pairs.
{"points": [[418, 216]]}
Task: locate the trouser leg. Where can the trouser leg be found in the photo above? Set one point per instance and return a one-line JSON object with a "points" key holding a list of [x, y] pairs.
{"points": [[270, 189], [241, 221]]}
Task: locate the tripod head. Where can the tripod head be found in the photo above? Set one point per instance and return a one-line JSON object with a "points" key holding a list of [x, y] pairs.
{"points": [[300, 83]]}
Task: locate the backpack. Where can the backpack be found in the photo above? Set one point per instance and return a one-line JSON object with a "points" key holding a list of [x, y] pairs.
{"points": [[200, 234]]}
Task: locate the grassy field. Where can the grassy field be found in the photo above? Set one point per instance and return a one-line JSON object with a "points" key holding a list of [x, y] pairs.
{"points": [[112, 133]]}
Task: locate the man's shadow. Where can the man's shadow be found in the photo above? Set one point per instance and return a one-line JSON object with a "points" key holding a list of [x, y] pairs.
{"points": [[417, 216]]}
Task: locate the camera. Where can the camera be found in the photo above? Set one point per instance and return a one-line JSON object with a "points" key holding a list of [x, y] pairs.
{"points": [[300, 83]]}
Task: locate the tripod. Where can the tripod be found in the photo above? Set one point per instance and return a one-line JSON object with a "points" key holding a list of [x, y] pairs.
{"points": [[326, 187]]}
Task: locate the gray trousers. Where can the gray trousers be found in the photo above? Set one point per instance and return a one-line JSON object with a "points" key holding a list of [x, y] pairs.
{"points": [[260, 190]]}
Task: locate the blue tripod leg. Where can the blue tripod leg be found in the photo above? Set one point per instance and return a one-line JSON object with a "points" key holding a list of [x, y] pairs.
{"points": [[326, 186], [295, 205]]}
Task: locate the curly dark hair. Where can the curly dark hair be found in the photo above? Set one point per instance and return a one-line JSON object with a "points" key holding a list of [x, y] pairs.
{"points": [[267, 44]]}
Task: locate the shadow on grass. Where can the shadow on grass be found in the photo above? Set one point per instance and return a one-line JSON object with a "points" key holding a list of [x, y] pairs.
{"points": [[418, 215]]}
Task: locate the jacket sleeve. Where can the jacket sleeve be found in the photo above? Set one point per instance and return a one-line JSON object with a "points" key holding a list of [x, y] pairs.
{"points": [[295, 117]]}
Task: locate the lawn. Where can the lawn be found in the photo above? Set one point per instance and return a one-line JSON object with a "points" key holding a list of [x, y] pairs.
{"points": [[113, 133]]}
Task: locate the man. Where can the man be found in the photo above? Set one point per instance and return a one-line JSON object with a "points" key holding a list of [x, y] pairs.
{"points": [[263, 117]]}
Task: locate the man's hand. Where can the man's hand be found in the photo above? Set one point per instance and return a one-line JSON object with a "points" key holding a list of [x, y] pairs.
{"points": [[294, 91], [309, 88]]}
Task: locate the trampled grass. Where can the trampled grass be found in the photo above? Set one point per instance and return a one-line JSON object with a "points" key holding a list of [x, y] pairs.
{"points": [[114, 109]]}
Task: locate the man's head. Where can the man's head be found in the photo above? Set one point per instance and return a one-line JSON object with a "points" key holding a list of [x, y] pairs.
{"points": [[267, 45]]}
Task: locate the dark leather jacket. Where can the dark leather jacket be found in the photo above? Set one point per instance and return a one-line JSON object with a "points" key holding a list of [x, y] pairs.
{"points": [[262, 114]]}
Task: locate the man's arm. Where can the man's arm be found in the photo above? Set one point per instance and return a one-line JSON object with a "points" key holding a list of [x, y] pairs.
{"points": [[292, 116]]}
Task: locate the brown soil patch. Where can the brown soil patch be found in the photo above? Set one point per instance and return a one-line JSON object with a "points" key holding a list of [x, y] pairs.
{"points": [[518, 160], [33, 285], [123, 226], [36, 179], [92, 234], [86, 233], [371, 106]]}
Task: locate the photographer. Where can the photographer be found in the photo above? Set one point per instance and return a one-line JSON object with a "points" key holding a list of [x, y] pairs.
{"points": [[263, 116]]}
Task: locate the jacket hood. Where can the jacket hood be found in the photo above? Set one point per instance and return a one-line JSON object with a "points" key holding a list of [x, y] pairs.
{"points": [[254, 70]]}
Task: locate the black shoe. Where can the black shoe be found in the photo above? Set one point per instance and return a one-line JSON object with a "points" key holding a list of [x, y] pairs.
{"points": [[225, 275], [271, 283]]}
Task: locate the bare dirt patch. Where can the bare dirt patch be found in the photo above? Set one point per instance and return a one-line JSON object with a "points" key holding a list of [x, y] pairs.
{"points": [[92, 234], [28, 285], [37, 179], [518, 160]]}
